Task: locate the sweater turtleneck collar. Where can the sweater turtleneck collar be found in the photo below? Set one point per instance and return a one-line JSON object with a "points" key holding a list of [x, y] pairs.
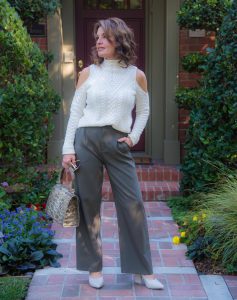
{"points": [[112, 64]]}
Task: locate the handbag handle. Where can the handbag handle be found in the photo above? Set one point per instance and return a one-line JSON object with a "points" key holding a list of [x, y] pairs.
{"points": [[66, 177]]}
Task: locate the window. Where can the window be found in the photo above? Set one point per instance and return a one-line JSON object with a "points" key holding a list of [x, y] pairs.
{"points": [[113, 4]]}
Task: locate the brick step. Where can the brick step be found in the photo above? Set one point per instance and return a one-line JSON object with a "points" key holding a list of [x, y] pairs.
{"points": [[155, 173], [151, 190]]}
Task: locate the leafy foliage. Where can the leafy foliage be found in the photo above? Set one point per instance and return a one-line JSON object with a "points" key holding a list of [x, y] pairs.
{"points": [[33, 11], [26, 97], [221, 205], [194, 62], [13, 288], [188, 97], [32, 187], [211, 144], [200, 248], [203, 14], [27, 242], [209, 221]]}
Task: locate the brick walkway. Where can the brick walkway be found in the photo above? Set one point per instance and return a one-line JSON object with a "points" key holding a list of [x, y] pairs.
{"points": [[170, 264]]}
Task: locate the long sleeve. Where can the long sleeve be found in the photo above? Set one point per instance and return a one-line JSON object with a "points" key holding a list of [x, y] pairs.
{"points": [[76, 112], [142, 114]]}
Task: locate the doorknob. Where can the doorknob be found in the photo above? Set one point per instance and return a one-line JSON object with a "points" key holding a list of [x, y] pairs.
{"points": [[80, 63]]}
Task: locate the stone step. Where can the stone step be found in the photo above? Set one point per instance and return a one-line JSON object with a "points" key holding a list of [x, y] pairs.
{"points": [[151, 190], [155, 173]]}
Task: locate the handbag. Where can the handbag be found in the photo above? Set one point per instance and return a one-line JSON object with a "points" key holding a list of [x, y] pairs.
{"points": [[62, 204]]}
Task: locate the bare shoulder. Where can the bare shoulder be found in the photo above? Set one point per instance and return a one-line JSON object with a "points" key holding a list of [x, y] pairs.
{"points": [[141, 79], [84, 74]]}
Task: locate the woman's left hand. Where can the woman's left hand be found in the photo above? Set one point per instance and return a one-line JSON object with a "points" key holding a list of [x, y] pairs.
{"points": [[126, 140]]}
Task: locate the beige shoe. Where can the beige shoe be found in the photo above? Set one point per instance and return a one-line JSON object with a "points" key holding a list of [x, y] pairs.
{"points": [[149, 283], [96, 282]]}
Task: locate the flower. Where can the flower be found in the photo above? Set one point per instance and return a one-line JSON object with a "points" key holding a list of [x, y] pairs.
{"points": [[176, 240], [4, 184], [204, 215], [183, 234], [195, 218]]}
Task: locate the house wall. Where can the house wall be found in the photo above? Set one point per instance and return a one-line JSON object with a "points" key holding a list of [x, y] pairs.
{"points": [[176, 122]]}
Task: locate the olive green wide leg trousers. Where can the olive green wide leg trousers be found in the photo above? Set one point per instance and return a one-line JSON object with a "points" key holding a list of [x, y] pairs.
{"points": [[97, 147]]}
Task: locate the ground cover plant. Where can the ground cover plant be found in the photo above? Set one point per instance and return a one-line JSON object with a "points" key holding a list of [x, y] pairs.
{"points": [[26, 241], [208, 225], [12, 288]]}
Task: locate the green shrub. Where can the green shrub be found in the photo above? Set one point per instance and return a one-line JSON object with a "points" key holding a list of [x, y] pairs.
{"points": [[30, 186], [203, 14], [194, 62], [26, 97], [33, 11], [211, 143], [27, 241], [188, 97], [5, 203]]}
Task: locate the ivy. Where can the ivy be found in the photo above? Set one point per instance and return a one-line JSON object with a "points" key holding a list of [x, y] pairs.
{"points": [[187, 98], [211, 145], [203, 14], [194, 62]]}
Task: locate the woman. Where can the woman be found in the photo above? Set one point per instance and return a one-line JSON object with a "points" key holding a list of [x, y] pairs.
{"points": [[99, 134]]}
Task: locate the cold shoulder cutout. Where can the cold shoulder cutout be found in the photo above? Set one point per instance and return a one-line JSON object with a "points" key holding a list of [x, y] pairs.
{"points": [[84, 75], [141, 80]]}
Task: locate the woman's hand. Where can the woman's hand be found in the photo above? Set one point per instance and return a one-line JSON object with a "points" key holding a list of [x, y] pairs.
{"points": [[68, 159], [126, 140]]}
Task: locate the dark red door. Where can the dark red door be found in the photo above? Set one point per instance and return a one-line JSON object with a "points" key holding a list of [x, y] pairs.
{"points": [[89, 11]]}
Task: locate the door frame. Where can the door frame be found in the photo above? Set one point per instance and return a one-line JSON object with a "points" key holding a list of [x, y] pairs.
{"points": [[162, 67]]}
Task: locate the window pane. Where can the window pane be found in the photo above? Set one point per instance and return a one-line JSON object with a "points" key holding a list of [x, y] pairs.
{"points": [[136, 4], [91, 4], [105, 4], [120, 4], [113, 4]]}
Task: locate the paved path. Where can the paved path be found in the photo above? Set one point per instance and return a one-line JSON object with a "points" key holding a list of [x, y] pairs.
{"points": [[174, 270]]}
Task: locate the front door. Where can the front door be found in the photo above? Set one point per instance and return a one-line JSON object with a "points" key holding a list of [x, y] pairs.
{"points": [[89, 11]]}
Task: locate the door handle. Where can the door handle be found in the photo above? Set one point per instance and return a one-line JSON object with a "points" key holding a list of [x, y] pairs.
{"points": [[80, 64]]}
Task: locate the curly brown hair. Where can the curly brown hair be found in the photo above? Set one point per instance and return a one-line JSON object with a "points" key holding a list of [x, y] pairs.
{"points": [[124, 40]]}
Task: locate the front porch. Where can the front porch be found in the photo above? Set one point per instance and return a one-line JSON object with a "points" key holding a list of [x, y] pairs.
{"points": [[161, 63]]}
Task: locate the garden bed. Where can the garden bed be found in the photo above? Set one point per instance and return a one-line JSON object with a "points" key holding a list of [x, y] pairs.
{"points": [[208, 226], [207, 266]]}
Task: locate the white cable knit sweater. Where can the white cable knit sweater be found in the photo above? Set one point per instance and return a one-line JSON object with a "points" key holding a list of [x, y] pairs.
{"points": [[108, 97]]}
